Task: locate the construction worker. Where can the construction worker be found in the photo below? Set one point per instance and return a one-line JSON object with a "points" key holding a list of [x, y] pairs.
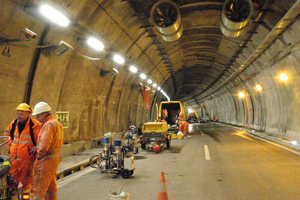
{"points": [[165, 114], [48, 156], [23, 132], [183, 126]]}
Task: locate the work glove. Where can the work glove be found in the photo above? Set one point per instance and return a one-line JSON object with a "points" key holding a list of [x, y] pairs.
{"points": [[32, 150]]}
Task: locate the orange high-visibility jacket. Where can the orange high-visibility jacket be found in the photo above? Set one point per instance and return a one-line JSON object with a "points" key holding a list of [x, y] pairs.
{"points": [[166, 112], [22, 141], [50, 139]]}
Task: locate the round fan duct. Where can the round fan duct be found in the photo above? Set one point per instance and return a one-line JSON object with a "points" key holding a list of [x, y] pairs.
{"points": [[235, 17], [166, 18]]}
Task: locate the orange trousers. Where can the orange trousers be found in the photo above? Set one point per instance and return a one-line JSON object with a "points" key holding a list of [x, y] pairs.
{"points": [[44, 184], [22, 171], [183, 127]]}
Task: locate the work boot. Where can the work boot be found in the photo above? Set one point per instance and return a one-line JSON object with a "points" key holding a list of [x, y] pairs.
{"points": [[25, 196]]}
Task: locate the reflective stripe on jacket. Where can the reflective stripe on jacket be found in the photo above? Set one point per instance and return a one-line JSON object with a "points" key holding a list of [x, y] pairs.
{"points": [[22, 141], [51, 138]]}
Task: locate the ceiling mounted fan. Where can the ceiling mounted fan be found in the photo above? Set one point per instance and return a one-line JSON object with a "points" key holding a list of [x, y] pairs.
{"points": [[237, 10]]}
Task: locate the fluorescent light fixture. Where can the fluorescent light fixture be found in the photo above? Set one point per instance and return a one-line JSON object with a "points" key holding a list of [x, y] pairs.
{"points": [[54, 15], [154, 85], [119, 59], [95, 44], [149, 81], [158, 88], [115, 70], [143, 76], [133, 69]]}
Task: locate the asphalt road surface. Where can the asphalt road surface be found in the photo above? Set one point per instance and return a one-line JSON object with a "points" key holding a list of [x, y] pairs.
{"points": [[216, 162]]}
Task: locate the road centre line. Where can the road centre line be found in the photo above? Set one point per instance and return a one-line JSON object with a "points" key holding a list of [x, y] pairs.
{"points": [[207, 156]]}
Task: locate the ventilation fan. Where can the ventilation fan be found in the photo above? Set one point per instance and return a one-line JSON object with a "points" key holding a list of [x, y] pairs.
{"points": [[164, 15], [235, 17], [166, 18], [237, 10]]}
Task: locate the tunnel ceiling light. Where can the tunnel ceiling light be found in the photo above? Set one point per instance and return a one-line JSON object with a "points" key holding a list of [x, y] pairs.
{"points": [[133, 69], [258, 87], [241, 94], [149, 81], [95, 44], [143, 76], [283, 77], [158, 88], [154, 85], [119, 59], [54, 15]]}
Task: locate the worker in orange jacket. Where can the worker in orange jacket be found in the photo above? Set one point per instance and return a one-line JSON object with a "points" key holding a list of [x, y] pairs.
{"points": [[183, 127], [23, 132], [48, 156]]}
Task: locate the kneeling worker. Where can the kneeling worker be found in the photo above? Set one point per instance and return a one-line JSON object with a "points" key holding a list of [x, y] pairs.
{"points": [[48, 156], [23, 132]]}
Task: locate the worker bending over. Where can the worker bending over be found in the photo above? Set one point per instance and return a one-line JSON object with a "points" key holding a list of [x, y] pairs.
{"points": [[183, 126], [48, 156], [23, 132]]}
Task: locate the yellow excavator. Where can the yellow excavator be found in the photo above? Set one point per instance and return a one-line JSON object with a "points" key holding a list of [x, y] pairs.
{"points": [[193, 117]]}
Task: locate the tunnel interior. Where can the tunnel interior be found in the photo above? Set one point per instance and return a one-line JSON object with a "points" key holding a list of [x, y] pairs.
{"points": [[195, 61]]}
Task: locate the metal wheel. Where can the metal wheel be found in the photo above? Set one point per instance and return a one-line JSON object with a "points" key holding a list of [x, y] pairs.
{"points": [[168, 143], [125, 173], [94, 161], [143, 146]]}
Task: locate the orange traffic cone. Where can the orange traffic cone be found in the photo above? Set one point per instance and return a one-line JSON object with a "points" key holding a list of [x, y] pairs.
{"points": [[163, 194]]}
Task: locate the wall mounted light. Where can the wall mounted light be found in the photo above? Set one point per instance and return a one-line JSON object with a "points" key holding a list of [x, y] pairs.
{"points": [[133, 69], [108, 73], [143, 76], [62, 48], [54, 15], [283, 77], [119, 59], [241, 94], [95, 43], [258, 87]]}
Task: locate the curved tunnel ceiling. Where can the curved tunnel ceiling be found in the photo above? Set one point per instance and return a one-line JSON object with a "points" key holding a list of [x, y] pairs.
{"points": [[202, 60]]}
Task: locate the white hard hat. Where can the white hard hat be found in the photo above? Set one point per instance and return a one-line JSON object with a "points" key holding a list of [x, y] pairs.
{"points": [[41, 107]]}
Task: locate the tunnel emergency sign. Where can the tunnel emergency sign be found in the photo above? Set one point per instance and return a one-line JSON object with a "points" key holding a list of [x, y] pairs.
{"points": [[63, 118]]}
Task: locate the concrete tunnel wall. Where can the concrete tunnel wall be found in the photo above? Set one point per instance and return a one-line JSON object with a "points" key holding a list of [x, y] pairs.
{"points": [[274, 110], [97, 105]]}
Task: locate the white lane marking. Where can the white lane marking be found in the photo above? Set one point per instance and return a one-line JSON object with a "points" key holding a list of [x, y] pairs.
{"points": [[278, 145], [207, 156], [74, 176]]}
